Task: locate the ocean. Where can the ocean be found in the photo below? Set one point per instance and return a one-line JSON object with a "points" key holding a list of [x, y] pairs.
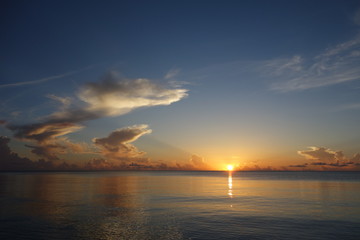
{"points": [[180, 205]]}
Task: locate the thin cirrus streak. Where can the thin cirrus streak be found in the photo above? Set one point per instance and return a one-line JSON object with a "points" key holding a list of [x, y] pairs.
{"points": [[335, 65], [46, 79]]}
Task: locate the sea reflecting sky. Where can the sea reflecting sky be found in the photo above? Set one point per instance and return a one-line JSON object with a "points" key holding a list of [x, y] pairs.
{"points": [[175, 205]]}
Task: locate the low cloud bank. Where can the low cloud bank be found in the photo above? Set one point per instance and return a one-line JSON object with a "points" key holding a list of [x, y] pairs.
{"points": [[326, 159], [11, 161]]}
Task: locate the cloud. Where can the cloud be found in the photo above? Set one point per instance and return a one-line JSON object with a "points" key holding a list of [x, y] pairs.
{"points": [[115, 96], [65, 101], [113, 145], [256, 168], [299, 165], [356, 158], [101, 164], [330, 66], [322, 154], [198, 162], [194, 163], [118, 144], [357, 17], [4, 148], [333, 66], [112, 96], [42, 80], [172, 73], [43, 132], [354, 106], [47, 137], [318, 164], [52, 149], [135, 163], [49, 151], [328, 159], [285, 66], [11, 161], [15, 114]]}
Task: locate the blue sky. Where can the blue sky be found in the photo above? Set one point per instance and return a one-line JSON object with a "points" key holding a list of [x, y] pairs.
{"points": [[249, 83]]}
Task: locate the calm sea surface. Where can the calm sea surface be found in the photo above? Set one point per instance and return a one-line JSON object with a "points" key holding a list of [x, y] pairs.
{"points": [[180, 205]]}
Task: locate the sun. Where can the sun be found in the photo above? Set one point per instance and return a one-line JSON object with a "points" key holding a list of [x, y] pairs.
{"points": [[230, 167]]}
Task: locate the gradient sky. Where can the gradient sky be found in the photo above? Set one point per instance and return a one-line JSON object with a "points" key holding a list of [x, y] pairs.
{"points": [[199, 84]]}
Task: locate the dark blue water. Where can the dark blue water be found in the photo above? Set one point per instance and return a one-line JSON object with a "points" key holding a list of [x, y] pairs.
{"points": [[180, 205]]}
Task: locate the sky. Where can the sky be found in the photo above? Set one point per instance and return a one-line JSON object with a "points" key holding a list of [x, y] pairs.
{"points": [[180, 85]]}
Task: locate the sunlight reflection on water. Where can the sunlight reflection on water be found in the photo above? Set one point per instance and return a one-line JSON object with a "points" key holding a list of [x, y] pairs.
{"points": [[230, 185], [179, 205]]}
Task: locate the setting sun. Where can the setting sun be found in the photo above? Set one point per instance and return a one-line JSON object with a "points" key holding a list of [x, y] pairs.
{"points": [[230, 167]]}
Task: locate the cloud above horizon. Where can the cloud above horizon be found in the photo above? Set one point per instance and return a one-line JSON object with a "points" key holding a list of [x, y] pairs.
{"points": [[11, 161], [112, 96], [325, 157], [117, 145], [322, 154], [198, 162]]}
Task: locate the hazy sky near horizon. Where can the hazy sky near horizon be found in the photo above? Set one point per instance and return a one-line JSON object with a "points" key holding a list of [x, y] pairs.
{"points": [[267, 83]]}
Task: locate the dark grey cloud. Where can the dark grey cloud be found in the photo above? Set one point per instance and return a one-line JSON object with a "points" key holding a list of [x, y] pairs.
{"points": [[299, 165], [11, 161], [318, 164], [43, 132], [49, 151]]}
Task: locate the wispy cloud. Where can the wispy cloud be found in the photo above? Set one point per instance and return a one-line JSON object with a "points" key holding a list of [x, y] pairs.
{"points": [[333, 66], [172, 73], [337, 64], [46, 79], [353, 106], [357, 17]]}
